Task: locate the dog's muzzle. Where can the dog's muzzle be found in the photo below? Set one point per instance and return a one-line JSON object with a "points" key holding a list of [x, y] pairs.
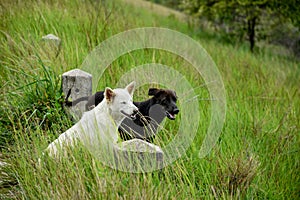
{"points": [[132, 116], [171, 115]]}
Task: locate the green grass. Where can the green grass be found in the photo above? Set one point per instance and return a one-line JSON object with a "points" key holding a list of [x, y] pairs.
{"points": [[256, 157]]}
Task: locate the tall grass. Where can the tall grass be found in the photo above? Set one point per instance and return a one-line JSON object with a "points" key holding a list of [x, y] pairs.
{"points": [[257, 155]]}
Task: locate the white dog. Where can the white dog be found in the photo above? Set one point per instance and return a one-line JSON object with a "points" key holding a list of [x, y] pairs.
{"points": [[99, 126]]}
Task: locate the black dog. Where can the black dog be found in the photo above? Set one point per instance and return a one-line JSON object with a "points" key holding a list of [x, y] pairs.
{"points": [[93, 100], [152, 112]]}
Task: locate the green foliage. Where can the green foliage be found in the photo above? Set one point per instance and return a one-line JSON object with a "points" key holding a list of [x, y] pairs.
{"points": [[288, 9], [257, 155], [244, 19], [35, 102]]}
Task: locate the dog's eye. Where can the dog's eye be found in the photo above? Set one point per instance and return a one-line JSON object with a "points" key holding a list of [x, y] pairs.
{"points": [[164, 102], [123, 102]]}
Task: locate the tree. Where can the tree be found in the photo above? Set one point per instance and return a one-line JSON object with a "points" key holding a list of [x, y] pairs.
{"points": [[243, 16], [288, 9]]}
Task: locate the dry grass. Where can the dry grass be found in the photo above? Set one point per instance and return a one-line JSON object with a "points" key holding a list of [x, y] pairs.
{"points": [[158, 9]]}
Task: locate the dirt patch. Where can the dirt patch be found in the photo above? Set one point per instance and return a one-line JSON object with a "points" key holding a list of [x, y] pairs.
{"points": [[158, 9]]}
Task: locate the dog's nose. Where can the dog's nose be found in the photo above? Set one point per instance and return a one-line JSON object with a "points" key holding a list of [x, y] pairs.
{"points": [[176, 111], [135, 111], [133, 115]]}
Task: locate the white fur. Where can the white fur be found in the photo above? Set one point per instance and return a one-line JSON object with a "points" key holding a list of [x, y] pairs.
{"points": [[100, 123]]}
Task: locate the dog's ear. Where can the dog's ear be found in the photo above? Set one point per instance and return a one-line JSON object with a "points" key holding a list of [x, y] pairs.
{"points": [[175, 94], [153, 91], [109, 94], [130, 88]]}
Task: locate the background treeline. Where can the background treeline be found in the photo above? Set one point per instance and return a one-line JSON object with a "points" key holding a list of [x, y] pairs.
{"points": [[258, 22]]}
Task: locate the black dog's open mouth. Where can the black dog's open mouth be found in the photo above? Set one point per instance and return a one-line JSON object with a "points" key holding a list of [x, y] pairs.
{"points": [[132, 116], [170, 115]]}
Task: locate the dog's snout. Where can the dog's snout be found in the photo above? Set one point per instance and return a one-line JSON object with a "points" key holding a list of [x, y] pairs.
{"points": [[135, 111], [176, 111], [133, 115]]}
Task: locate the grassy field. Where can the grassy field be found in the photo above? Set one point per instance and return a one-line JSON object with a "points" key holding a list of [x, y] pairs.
{"points": [[256, 157]]}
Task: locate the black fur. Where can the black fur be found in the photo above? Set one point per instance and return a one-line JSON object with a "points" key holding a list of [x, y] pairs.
{"points": [[93, 100], [161, 105]]}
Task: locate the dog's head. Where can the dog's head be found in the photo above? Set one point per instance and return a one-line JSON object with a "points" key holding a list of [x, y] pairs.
{"points": [[120, 101], [167, 99]]}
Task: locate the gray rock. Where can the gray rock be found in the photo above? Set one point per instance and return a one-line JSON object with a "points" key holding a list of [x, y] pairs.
{"points": [[53, 38], [80, 83], [51, 45], [138, 156]]}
